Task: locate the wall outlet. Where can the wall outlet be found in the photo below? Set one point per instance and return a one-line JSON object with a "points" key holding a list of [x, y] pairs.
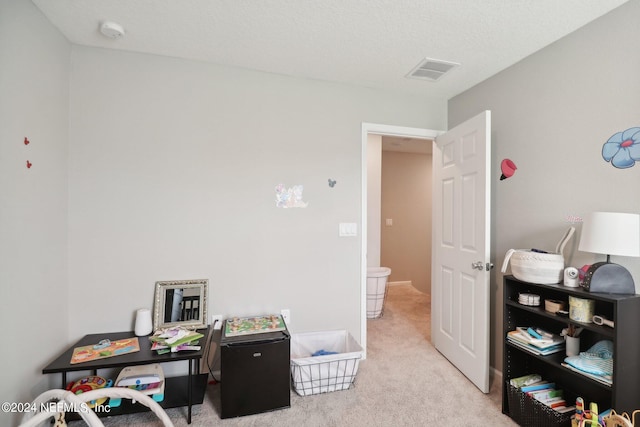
{"points": [[216, 321], [286, 316]]}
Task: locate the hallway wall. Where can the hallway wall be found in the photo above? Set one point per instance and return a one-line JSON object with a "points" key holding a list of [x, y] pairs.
{"points": [[406, 200]]}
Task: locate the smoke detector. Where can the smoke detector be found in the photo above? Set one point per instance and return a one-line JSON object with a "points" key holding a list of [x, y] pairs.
{"points": [[431, 69], [111, 30]]}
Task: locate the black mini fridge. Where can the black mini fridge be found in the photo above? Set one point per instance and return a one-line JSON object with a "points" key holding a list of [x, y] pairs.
{"points": [[254, 372]]}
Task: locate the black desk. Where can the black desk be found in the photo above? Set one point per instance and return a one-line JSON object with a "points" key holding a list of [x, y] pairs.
{"points": [[179, 391]]}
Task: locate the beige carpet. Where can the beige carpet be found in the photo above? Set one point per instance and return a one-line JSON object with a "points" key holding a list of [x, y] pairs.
{"points": [[403, 382]]}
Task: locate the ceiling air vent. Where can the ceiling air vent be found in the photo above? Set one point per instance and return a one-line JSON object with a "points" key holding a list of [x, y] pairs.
{"points": [[431, 69]]}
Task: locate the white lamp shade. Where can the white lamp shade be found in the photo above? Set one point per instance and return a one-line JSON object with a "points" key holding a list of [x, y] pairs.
{"points": [[611, 233]]}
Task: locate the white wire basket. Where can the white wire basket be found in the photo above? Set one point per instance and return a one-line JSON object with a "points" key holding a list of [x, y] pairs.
{"points": [[322, 374]]}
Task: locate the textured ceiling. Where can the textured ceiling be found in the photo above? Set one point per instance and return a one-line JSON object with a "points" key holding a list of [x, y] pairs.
{"points": [[372, 43]]}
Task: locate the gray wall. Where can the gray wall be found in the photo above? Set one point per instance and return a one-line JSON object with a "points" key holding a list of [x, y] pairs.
{"points": [[172, 173], [552, 112], [34, 103]]}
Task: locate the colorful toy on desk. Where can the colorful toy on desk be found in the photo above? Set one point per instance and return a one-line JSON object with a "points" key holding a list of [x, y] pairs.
{"points": [[147, 379], [105, 348], [102, 345]]}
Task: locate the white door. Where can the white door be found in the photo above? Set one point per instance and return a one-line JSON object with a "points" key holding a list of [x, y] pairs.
{"points": [[460, 265]]}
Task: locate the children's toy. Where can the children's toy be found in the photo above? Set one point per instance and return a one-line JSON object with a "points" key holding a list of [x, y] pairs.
{"points": [[622, 420], [591, 417], [254, 325], [147, 379], [92, 382], [104, 349]]}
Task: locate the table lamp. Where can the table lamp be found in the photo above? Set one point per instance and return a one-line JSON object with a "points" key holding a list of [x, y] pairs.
{"points": [[610, 233]]}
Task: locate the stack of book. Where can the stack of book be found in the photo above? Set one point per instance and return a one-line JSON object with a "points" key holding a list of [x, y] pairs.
{"points": [[545, 392], [536, 340], [175, 339]]}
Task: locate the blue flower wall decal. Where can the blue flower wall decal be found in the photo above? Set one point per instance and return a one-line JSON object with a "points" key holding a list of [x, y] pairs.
{"points": [[623, 148]]}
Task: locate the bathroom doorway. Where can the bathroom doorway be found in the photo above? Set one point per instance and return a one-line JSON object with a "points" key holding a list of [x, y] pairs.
{"points": [[405, 232], [391, 230]]}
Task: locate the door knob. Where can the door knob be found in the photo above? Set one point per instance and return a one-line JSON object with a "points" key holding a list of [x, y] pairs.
{"points": [[478, 265]]}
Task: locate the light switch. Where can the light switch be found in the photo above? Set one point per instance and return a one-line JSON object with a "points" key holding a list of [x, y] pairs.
{"points": [[389, 222], [348, 229]]}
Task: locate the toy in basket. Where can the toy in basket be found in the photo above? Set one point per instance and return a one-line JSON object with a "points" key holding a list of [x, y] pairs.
{"points": [[535, 266], [147, 379], [618, 420]]}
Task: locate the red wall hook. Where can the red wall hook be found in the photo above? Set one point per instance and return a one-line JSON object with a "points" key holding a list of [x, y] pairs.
{"points": [[26, 141], [29, 164]]}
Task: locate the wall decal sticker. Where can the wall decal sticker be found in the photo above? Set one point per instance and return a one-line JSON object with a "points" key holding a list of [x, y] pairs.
{"points": [[508, 169], [332, 182], [29, 164], [573, 219], [26, 141], [289, 198], [623, 148]]}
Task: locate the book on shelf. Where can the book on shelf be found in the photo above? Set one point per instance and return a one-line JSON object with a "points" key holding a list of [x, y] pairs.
{"points": [[175, 339], [542, 391], [549, 395], [536, 337], [162, 349], [556, 403], [542, 385], [534, 349], [525, 380]]}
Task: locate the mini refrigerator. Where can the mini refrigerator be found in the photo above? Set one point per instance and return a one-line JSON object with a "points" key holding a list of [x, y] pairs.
{"points": [[255, 372]]}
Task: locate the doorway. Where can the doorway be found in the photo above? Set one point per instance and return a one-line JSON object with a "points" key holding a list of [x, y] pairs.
{"points": [[371, 193], [405, 232], [461, 299]]}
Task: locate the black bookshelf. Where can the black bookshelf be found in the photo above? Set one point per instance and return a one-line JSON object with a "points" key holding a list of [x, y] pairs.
{"points": [[623, 394]]}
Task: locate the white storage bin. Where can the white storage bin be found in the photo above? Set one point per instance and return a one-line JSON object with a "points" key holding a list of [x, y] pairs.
{"points": [[322, 374], [376, 290], [536, 267]]}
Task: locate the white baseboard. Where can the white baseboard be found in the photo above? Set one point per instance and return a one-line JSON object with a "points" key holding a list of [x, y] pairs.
{"points": [[405, 282]]}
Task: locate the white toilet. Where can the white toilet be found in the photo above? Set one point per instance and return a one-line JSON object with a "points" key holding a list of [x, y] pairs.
{"points": [[376, 290]]}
